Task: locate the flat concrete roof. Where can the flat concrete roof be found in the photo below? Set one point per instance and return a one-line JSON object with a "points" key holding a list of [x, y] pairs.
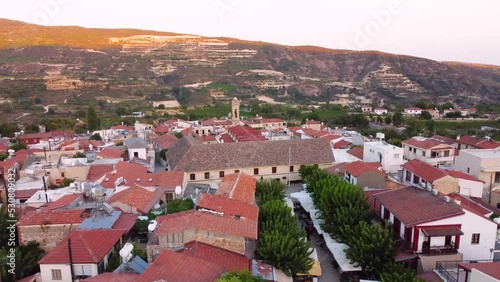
{"points": [[483, 153]]}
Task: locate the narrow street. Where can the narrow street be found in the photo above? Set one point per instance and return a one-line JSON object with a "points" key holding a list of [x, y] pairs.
{"points": [[329, 273]]}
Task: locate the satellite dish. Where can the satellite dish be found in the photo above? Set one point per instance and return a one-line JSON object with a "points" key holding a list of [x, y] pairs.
{"points": [[178, 190], [126, 252], [152, 225]]}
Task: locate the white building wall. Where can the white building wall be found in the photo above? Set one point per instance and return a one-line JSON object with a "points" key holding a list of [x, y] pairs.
{"points": [[392, 156], [46, 272], [470, 188], [478, 276], [142, 154], [471, 223]]}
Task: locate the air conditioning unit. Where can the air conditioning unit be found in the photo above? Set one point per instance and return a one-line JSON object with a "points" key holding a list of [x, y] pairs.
{"points": [[447, 199], [435, 192]]}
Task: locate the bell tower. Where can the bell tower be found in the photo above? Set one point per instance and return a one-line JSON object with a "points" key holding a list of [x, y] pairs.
{"points": [[235, 111]]}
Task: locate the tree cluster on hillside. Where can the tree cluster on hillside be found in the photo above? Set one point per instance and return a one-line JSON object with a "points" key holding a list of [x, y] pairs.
{"points": [[347, 216], [281, 243]]}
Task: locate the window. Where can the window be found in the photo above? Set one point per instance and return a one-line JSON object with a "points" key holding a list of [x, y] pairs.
{"points": [[237, 171], [273, 169], [414, 150], [207, 175], [396, 156], [423, 153], [468, 169], [475, 238], [255, 171], [192, 176], [136, 154], [221, 174], [56, 274], [62, 174], [497, 177], [446, 153], [291, 168]]}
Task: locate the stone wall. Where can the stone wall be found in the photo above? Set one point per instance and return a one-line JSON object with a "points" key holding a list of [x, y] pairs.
{"points": [[47, 235]]}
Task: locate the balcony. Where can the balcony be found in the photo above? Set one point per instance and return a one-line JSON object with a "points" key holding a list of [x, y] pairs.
{"points": [[439, 250]]}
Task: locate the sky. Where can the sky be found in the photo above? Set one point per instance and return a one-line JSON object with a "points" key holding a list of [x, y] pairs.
{"points": [[443, 30]]}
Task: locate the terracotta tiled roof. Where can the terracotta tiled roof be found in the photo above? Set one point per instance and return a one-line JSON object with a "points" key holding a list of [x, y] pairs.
{"points": [[238, 186], [480, 143], [470, 205], [271, 120], [51, 217], [136, 197], [341, 144], [230, 261], [206, 157], [358, 168], [171, 266], [245, 133], [357, 152], [110, 153], [424, 170], [314, 133], [123, 127], [425, 143], [228, 206], [413, 206], [125, 221], [63, 201], [338, 169], [225, 138], [491, 269], [177, 222], [208, 138], [312, 122], [162, 129], [113, 277], [443, 139], [369, 196], [26, 194], [462, 175], [331, 137], [165, 141], [96, 172], [170, 179], [87, 246]]}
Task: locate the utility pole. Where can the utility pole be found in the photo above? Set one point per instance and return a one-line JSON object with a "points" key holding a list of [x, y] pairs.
{"points": [[45, 189], [70, 259]]}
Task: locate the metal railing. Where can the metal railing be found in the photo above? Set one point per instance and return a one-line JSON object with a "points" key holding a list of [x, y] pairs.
{"points": [[444, 268]]}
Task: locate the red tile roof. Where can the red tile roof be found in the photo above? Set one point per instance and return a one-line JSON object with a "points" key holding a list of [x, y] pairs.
{"points": [[170, 179], [314, 133], [338, 169], [171, 266], [228, 260], [51, 217], [341, 144], [166, 141], [126, 167], [110, 153], [208, 138], [137, 198], [162, 129], [225, 138], [491, 269], [63, 201], [87, 246], [312, 122], [177, 222], [424, 170], [443, 139], [358, 168], [125, 221], [480, 143], [271, 120], [96, 172], [331, 137], [238, 186], [113, 277], [462, 175], [228, 206], [413, 206], [357, 152], [245, 133], [26, 194], [470, 205], [425, 143], [123, 127]]}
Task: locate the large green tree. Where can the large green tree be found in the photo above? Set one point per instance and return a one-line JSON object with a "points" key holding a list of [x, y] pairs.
{"points": [[395, 272], [371, 246], [92, 119], [243, 276], [341, 204], [269, 190], [286, 251]]}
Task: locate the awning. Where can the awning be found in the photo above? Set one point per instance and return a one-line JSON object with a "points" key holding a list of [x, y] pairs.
{"points": [[338, 251], [314, 271], [304, 199], [442, 231]]}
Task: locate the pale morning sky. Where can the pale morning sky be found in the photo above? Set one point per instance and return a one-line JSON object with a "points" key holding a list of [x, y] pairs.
{"points": [[443, 30]]}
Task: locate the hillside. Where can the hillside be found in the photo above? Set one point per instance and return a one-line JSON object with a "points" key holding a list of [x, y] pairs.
{"points": [[72, 66]]}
